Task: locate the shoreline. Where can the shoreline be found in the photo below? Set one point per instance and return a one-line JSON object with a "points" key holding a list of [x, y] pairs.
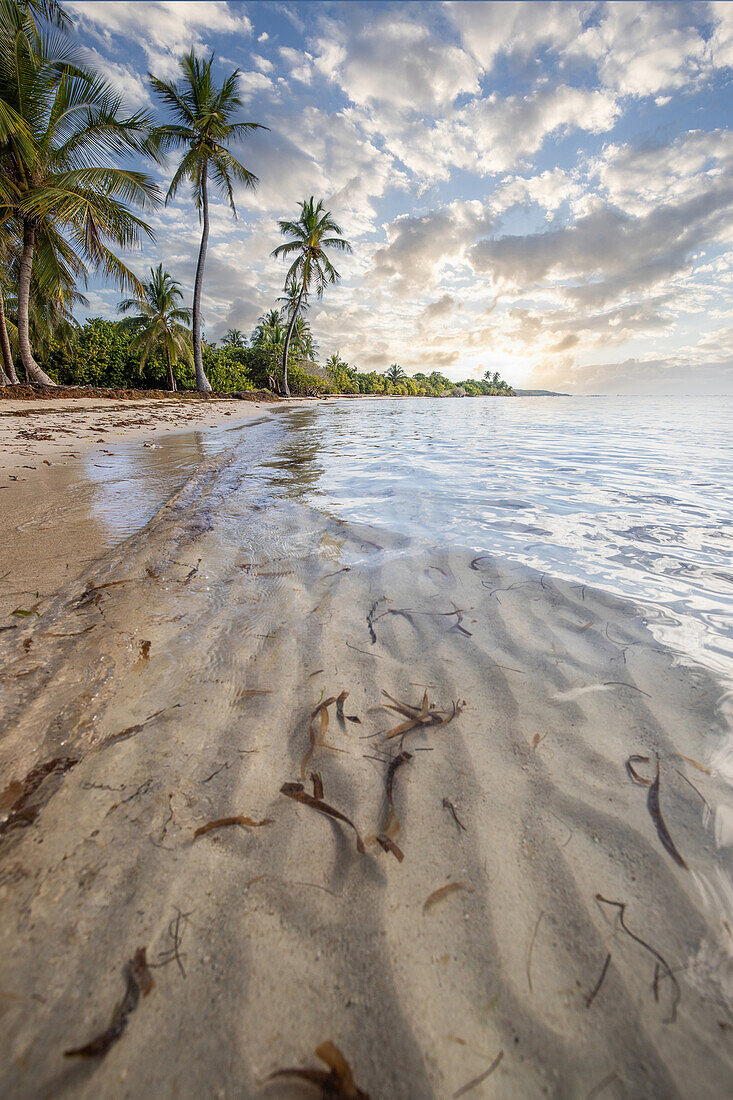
{"points": [[48, 447], [178, 679], [182, 678]]}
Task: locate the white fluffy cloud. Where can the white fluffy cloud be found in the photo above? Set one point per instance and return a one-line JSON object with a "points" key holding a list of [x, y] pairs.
{"points": [[166, 29]]}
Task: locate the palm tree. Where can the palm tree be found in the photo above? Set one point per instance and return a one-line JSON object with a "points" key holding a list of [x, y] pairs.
{"points": [[7, 367], [310, 235], [61, 126], [395, 373], [202, 125], [269, 331], [234, 338], [303, 342], [161, 321]]}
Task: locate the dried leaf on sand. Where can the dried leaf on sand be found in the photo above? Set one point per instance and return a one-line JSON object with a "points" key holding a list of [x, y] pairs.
{"points": [[298, 794], [475, 1081], [223, 822], [388, 845], [317, 731], [337, 1083], [139, 980], [391, 825], [427, 714], [442, 892]]}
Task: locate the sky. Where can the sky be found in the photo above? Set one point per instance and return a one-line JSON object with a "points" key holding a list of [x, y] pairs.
{"points": [[542, 189]]}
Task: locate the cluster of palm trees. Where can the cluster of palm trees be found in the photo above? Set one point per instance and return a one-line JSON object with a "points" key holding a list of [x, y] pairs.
{"points": [[69, 202]]}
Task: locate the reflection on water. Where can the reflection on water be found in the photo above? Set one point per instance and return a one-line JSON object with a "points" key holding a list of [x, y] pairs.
{"points": [[125, 488], [633, 495]]}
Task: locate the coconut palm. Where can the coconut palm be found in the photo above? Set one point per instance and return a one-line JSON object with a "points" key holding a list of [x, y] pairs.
{"points": [[61, 127], [310, 236], [202, 114], [269, 330], [160, 321], [395, 373], [302, 340], [234, 338]]}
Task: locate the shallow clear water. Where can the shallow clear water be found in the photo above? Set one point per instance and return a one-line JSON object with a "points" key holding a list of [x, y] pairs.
{"points": [[631, 494]]}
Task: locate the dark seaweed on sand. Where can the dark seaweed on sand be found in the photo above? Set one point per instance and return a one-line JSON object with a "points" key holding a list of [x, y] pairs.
{"points": [[337, 1083], [448, 805], [223, 822], [23, 811], [632, 772], [656, 814], [653, 805], [139, 980], [298, 794], [388, 845], [665, 971]]}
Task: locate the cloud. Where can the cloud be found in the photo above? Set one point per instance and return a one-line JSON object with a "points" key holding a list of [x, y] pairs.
{"points": [[165, 30], [642, 49], [391, 59], [636, 179], [608, 253], [490, 29], [419, 246], [493, 134]]}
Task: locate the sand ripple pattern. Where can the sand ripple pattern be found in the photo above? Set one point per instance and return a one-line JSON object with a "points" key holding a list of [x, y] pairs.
{"points": [[257, 607]]}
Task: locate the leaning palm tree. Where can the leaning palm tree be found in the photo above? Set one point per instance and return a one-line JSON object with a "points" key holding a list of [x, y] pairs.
{"points": [[202, 125], [61, 129], [395, 373], [234, 338], [310, 236], [160, 321]]}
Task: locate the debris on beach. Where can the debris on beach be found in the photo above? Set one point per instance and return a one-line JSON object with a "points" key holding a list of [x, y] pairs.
{"points": [[23, 811], [662, 968], [337, 1083], [237, 819], [340, 704], [139, 980], [427, 714], [447, 805], [391, 825], [475, 1081], [388, 845], [595, 990], [297, 792], [442, 892], [655, 811], [653, 805], [317, 731]]}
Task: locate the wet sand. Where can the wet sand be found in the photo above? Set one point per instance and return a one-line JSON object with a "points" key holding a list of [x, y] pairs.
{"points": [[49, 448], [175, 681]]}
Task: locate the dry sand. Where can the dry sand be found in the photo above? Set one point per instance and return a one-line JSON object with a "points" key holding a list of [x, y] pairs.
{"points": [[176, 680]]}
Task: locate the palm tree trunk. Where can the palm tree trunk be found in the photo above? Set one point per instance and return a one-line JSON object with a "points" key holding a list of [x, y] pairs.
{"points": [[24, 292], [286, 349], [171, 379], [9, 376], [202, 382]]}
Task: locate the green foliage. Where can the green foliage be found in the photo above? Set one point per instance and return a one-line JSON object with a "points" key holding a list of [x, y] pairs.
{"points": [[100, 354]]}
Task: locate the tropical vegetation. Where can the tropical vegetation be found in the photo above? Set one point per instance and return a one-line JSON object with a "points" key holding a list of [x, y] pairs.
{"points": [[70, 204], [160, 323], [310, 236]]}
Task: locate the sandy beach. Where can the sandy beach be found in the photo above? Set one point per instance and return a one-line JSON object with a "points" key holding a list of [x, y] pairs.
{"points": [[546, 904], [41, 442]]}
